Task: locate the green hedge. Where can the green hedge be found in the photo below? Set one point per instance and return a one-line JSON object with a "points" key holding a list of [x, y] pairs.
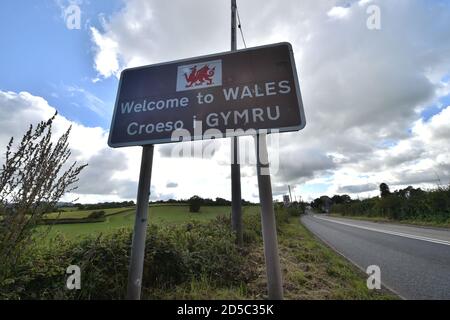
{"points": [[433, 206], [174, 255]]}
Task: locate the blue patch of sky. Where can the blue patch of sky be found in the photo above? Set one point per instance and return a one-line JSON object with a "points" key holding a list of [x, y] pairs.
{"points": [[313, 188], [433, 110], [436, 108], [42, 56], [388, 143], [446, 78]]}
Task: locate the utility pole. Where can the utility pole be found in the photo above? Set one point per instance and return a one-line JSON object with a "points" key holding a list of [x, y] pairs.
{"points": [[236, 202], [140, 225], [290, 194]]}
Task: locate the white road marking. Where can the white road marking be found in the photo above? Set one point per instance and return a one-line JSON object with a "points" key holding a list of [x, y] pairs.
{"points": [[400, 234]]}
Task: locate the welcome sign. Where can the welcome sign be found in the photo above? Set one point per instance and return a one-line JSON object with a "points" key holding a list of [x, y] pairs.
{"points": [[228, 94]]}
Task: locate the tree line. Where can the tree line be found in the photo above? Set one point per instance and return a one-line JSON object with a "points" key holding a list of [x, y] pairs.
{"points": [[403, 204], [104, 205]]}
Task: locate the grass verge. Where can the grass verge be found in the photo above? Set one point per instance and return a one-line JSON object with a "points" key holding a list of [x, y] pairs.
{"points": [[313, 271]]}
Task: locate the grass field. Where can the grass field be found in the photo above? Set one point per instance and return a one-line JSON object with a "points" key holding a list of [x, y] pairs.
{"points": [[161, 215], [79, 214]]}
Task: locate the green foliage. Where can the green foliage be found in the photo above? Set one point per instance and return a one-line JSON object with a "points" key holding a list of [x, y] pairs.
{"points": [[175, 255], [97, 214], [281, 217], [103, 205], [36, 173], [296, 209], [405, 204], [194, 204], [384, 190]]}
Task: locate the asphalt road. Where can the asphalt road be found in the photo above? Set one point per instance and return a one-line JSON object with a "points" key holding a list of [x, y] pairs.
{"points": [[414, 262]]}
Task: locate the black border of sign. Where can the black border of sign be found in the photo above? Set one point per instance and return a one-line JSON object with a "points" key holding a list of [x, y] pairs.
{"points": [[197, 138]]}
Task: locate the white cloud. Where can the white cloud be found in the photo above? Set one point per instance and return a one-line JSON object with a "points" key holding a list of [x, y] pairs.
{"points": [[364, 2], [106, 59], [339, 12], [145, 32], [88, 145]]}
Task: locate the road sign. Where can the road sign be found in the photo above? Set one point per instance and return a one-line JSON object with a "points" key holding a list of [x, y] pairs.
{"points": [[286, 200], [228, 94]]}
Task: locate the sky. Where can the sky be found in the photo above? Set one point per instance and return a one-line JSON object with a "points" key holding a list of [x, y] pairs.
{"points": [[374, 76]]}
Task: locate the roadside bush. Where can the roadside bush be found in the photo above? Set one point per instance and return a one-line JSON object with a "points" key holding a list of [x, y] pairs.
{"points": [[165, 262], [211, 251], [175, 255], [41, 272], [406, 204], [252, 228], [281, 217], [97, 214], [293, 211]]}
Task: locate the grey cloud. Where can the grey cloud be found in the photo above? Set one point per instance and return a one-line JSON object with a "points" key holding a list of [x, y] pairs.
{"points": [[295, 166], [442, 133], [357, 188], [412, 178], [172, 185], [278, 190], [97, 177], [402, 158]]}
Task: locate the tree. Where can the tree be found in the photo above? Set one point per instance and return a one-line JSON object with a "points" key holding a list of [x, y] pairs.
{"points": [[33, 178], [317, 204], [384, 190], [195, 203]]}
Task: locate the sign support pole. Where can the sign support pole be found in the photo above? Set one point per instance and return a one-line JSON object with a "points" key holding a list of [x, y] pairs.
{"points": [[236, 202], [268, 223], [140, 225]]}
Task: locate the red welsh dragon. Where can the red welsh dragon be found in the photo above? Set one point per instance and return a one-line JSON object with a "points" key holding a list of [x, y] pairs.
{"points": [[200, 76]]}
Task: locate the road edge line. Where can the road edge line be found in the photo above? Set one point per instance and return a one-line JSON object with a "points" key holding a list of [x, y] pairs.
{"points": [[393, 233]]}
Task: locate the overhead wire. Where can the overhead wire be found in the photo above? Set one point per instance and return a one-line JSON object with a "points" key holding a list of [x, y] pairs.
{"points": [[240, 27]]}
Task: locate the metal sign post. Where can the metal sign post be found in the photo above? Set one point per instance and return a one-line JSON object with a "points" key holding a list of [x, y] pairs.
{"points": [[236, 197], [140, 225], [268, 224]]}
